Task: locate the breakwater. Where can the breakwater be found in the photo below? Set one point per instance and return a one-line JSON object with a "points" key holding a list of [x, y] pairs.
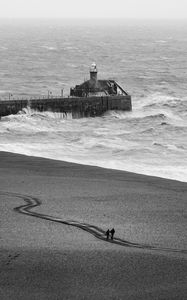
{"points": [[78, 107]]}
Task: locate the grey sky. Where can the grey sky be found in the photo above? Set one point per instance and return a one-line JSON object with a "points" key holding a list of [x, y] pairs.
{"points": [[94, 8]]}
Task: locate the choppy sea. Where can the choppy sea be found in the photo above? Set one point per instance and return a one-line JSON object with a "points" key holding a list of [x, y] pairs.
{"points": [[147, 58]]}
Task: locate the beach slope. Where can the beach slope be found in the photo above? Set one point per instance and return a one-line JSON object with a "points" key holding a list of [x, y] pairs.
{"points": [[57, 249]]}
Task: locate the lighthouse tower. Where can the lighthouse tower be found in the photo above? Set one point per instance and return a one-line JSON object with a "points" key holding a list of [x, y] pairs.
{"points": [[93, 76]]}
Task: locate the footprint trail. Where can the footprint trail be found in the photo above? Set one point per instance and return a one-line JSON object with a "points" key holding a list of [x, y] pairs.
{"points": [[32, 202]]}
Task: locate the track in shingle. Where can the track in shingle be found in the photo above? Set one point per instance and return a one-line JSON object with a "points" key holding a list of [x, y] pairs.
{"points": [[33, 202]]}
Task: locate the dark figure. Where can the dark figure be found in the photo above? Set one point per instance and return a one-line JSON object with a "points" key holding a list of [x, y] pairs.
{"points": [[107, 234], [112, 231]]}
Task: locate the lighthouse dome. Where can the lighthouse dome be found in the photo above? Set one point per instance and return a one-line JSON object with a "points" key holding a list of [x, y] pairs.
{"points": [[93, 67]]}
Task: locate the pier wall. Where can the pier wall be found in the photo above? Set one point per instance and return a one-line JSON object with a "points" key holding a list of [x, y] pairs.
{"points": [[78, 107]]}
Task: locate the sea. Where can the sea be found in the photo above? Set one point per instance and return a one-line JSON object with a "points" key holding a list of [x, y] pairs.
{"points": [[148, 58]]}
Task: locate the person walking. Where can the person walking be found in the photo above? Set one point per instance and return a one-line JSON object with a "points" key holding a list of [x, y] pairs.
{"points": [[112, 231], [107, 233]]}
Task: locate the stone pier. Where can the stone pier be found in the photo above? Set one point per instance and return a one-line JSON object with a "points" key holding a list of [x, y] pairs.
{"points": [[78, 107]]}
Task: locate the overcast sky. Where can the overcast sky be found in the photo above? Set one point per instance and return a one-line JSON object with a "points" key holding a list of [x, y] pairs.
{"points": [[94, 8]]}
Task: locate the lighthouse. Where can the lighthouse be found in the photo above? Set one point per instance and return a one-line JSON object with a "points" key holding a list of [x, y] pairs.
{"points": [[102, 88], [93, 76]]}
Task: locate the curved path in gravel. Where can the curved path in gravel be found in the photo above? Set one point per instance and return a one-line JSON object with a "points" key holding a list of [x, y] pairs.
{"points": [[32, 202]]}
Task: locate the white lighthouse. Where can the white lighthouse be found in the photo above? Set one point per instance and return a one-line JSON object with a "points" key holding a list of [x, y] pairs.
{"points": [[93, 71], [93, 75]]}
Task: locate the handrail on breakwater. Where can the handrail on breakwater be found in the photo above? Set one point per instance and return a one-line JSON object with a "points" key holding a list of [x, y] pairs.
{"points": [[32, 98]]}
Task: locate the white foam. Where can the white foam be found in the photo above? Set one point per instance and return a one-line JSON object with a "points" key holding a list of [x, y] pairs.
{"points": [[51, 48]]}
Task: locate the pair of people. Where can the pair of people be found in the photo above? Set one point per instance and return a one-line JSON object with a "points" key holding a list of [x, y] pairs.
{"points": [[110, 232]]}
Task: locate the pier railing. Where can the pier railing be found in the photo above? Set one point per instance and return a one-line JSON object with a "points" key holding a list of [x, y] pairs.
{"points": [[19, 98]]}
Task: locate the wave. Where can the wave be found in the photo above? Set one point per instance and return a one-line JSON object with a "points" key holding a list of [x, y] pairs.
{"points": [[166, 58], [156, 107], [2, 48], [146, 110], [28, 112], [148, 115], [161, 41], [50, 48], [2, 91], [171, 147], [146, 120], [158, 100]]}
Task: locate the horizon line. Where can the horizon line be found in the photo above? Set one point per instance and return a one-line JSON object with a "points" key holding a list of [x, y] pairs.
{"points": [[91, 18]]}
